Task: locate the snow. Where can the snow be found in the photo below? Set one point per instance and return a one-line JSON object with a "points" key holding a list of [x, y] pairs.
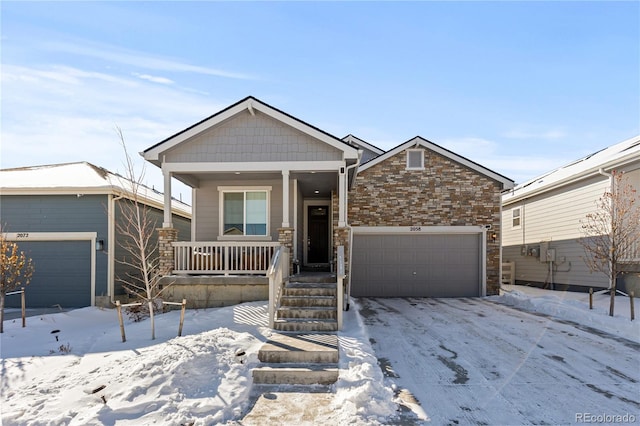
{"points": [[80, 177], [466, 374]]}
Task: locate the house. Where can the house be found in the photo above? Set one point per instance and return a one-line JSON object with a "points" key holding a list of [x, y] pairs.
{"points": [[64, 217], [421, 220], [542, 217]]}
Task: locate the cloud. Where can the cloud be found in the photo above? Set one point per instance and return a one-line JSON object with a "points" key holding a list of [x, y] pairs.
{"points": [[153, 79], [138, 59], [552, 134]]}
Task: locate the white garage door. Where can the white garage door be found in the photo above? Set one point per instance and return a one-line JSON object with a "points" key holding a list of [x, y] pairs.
{"points": [[417, 265]]}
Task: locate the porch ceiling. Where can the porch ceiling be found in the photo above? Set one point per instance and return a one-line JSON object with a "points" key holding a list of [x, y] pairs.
{"points": [[308, 182]]}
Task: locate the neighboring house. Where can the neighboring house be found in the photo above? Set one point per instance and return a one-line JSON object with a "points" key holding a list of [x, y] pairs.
{"points": [[64, 217], [422, 220], [542, 220]]}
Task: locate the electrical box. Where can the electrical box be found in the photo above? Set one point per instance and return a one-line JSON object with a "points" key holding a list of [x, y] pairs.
{"points": [[551, 255], [533, 251], [524, 250], [544, 247]]}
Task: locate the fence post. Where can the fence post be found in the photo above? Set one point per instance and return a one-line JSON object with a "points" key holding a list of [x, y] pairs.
{"points": [[184, 305], [633, 316], [591, 298], [119, 308], [24, 308]]}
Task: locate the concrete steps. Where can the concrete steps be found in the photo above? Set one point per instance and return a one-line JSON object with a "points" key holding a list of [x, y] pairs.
{"points": [[298, 359], [304, 350]]}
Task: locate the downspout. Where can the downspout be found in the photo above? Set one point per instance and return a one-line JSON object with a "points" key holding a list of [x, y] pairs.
{"points": [[346, 201], [111, 251], [612, 183]]}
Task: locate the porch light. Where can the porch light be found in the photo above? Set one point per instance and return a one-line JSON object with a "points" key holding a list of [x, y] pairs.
{"points": [[316, 192], [99, 245]]}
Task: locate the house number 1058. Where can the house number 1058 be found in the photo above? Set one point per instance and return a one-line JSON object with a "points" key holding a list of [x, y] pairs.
{"points": [[415, 228]]}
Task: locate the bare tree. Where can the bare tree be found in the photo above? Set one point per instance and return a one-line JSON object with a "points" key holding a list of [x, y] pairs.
{"points": [[612, 232], [16, 270], [136, 231]]}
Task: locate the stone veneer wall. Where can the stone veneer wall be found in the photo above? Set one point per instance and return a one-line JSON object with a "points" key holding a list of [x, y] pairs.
{"points": [[445, 193], [285, 238], [165, 250]]}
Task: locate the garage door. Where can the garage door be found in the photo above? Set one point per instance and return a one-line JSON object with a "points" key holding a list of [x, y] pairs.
{"points": [[62, 274], [416, 265]]}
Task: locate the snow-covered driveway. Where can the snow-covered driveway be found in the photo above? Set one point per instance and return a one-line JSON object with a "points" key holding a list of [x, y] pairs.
{"points": [[474, 361]]}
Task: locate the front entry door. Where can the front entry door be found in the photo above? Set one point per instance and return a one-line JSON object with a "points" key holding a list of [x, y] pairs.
{"points": [[317, 234]]}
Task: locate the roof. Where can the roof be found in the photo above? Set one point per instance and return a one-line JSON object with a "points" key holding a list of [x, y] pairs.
{"points": [[420, 141], [78, 178], [251, 104], [607, 159], [359, 143]]}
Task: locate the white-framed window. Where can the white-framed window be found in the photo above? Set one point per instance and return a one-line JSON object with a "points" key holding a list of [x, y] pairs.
{"points": [[244, 212], [516, 217], [415, 159]]}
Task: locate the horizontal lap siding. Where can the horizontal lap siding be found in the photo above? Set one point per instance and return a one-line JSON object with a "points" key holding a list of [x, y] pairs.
{"points": [[207, 206], [60, 213]]}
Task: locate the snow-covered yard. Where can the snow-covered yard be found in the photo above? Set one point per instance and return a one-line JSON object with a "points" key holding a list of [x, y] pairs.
{"points": [[467, 361]]}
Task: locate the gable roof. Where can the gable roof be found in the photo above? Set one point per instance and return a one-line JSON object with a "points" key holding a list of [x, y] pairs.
{"points": [[420, 141], [359, 143], [609, 158], [251, 104], [78, 178]]}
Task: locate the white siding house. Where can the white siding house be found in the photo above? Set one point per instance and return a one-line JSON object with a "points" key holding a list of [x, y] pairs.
{"points": [[541, 220]]}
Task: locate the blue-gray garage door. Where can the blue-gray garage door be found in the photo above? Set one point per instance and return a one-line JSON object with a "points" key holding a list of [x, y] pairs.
{"points": [[416, 265], [62, 274]]}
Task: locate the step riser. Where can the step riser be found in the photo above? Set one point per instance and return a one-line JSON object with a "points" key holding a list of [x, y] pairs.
{"points": [[288, 377], [311, 279], [289, 357], [312, 301], [307, 313], [310, 292], [297, 326]]}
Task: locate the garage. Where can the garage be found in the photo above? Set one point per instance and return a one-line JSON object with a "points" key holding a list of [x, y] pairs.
{"points": [[418, 263], [62, 275]]}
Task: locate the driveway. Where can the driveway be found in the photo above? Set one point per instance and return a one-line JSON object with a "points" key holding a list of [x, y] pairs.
{"points": [[473, 361]]}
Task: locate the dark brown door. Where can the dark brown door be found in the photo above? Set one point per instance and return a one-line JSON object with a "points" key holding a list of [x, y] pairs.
{"points": [[318, 234]]}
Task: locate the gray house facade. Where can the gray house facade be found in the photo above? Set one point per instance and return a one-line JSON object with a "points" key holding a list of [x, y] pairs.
{"points": [[263, 179], [541, 220], [64, 217]]}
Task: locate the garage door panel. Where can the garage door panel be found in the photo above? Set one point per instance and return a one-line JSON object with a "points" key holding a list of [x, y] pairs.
{"points": [[416, 265], [62, 274]]}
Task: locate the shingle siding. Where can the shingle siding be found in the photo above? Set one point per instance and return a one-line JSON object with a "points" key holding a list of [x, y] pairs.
{"points": [[247, 138]]}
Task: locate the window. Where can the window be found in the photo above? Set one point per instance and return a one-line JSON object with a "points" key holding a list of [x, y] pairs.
{"points": [[515, 219], [415, 159], [244, 212]]}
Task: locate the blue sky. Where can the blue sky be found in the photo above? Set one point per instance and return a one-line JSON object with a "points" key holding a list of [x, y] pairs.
{"points": [[520, 87]]}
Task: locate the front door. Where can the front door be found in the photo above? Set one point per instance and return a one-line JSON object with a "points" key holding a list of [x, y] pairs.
{"points": [[317, 234]]}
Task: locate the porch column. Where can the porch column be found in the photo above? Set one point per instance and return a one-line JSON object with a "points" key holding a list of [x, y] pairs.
{"points": [[342, 203], [285, 200], [165, 250], [167, 222]]}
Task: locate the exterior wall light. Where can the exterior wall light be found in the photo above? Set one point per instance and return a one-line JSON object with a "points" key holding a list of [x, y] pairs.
{"points": [[99, 245]]}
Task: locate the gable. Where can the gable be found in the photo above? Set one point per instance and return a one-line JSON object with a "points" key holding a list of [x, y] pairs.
{"points": [[252, 138], [453, 159]]}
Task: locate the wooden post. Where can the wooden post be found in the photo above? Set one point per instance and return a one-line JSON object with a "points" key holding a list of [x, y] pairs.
{"points": [[184, 306], [119, 308], [24, 308], [591, 298], [633, 315]]}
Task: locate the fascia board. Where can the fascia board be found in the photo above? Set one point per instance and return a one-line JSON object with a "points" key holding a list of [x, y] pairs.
{"points": [[508, 199]]}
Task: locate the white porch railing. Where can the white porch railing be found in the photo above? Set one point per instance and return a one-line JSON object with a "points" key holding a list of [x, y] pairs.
{"points": [[340, 275], [278, 273], [222, 258]]}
